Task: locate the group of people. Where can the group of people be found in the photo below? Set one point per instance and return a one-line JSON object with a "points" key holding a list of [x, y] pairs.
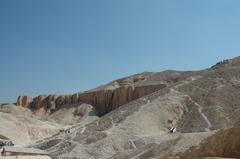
{"points": [[6, 143]]}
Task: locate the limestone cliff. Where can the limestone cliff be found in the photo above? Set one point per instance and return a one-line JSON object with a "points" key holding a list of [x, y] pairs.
{"points": [[24, 100], [103, 100]]}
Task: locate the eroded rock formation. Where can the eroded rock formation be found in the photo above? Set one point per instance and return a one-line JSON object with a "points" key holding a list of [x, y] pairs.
{"points": [[24, 100], [103, 100]]}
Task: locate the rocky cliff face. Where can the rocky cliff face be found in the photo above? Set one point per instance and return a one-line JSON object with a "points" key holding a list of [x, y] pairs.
{"points": [[103, 100], [24, 100]]}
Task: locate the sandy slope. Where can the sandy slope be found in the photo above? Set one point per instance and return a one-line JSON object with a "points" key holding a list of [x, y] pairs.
{"points": [[137, 127], [20, 126], [25, 157], [25, 127]]}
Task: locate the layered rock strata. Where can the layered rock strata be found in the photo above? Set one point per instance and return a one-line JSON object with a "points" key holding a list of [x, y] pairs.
{"points": [[104, 101]]}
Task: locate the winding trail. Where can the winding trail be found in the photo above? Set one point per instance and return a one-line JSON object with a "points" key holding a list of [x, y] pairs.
{"points": [[133, 144], [204, 117]]}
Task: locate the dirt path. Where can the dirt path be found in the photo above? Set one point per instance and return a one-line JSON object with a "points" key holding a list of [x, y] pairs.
{"points": [[204, 117]]}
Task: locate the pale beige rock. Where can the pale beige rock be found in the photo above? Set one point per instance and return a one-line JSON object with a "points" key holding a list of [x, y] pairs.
{"points": [[26, 157], [23, 129]]}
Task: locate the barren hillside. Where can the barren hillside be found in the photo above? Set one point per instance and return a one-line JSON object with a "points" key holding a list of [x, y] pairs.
{"points": [[131, 117]]}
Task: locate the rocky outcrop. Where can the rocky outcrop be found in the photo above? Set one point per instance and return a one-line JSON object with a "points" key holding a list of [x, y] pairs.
{"points": [[24, 101], [103, 100]]}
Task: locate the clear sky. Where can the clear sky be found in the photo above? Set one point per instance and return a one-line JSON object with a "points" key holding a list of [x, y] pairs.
{"points": [[62, 47]]}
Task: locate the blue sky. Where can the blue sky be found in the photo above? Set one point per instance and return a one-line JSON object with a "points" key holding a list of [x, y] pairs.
{"points": [[62, 47]]}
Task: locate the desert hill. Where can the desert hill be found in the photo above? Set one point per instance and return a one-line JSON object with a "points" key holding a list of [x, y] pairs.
{"points": [[18, 124], [131, 117]]}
